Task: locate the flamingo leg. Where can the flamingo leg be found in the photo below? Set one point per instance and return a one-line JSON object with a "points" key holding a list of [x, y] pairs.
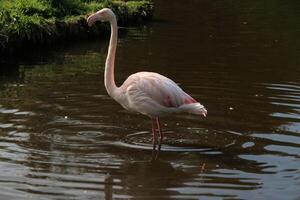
{"points": [[161, 135], [154, 134]]}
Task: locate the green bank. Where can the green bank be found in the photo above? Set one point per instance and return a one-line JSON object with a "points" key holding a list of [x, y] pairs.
{"points": [[26, 24]]}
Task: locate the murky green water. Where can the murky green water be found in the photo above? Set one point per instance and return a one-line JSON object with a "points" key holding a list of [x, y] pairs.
{"points": [[62, 137]]}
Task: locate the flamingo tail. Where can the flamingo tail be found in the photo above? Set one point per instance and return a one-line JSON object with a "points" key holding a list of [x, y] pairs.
{"points": [[194, 108]]}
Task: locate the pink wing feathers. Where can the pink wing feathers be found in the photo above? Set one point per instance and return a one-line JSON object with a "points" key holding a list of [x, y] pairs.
{"points": [[153, 94]]}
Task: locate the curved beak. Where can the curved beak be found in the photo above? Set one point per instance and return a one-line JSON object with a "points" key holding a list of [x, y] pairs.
{"points": [[91, 19]]}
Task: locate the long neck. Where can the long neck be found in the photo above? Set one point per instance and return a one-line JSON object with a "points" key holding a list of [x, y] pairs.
{"points": [[109, 74]]}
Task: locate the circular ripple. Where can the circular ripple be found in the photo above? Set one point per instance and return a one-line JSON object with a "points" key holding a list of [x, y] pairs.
{"points": [[196, 140], [90, 134], [68, 137]]}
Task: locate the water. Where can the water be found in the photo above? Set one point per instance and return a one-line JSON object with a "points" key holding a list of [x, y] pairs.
{"points": [[62, 137]]}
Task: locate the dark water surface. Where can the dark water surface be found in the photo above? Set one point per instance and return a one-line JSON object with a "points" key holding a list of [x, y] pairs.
{"points": [[62, 137]]}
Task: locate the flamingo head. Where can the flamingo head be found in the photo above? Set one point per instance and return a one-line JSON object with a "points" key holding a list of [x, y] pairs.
{"points": [[103, 15]]}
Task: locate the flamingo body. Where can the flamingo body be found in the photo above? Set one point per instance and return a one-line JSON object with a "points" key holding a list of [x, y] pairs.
{"points": [[147, 93], [155, 95]]}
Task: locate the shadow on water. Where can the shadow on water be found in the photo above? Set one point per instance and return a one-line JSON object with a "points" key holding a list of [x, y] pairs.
{"points": [[62, 137]]}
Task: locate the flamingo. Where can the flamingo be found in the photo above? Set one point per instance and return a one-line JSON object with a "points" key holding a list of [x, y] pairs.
{"points": [[148, 93]]}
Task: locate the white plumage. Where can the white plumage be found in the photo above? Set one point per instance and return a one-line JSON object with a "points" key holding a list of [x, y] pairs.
{"points": [[155, 95]]}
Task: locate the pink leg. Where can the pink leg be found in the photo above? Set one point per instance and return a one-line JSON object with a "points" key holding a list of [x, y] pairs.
{"points": [[154, 134], [161, 135]]}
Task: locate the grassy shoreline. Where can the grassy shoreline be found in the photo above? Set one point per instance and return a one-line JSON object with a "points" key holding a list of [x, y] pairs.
{"points": [[25, 24]]}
